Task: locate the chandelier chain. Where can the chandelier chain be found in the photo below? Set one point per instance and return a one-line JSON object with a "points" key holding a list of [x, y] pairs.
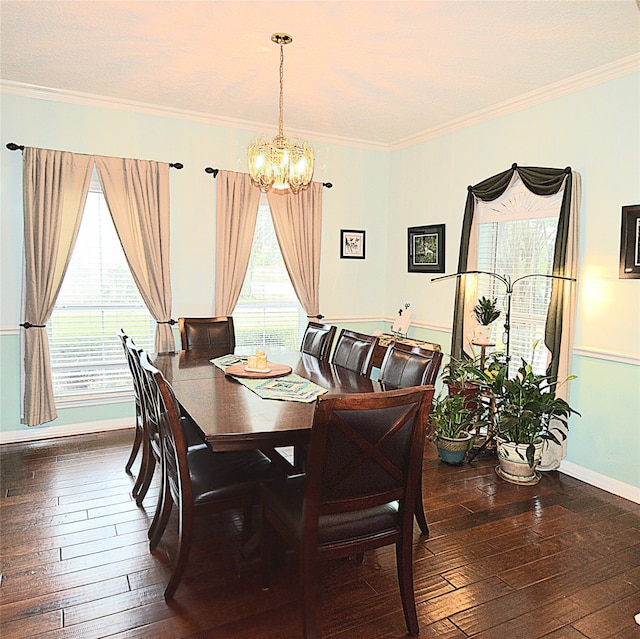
{"points": [[280, 117]]}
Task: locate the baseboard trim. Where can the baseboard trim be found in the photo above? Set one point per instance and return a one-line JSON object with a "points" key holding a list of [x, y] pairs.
{"points": [[621, 489], [49, 432]]}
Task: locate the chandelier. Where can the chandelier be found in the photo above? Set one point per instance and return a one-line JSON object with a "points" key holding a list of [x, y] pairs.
{"points": [[280, 163]]}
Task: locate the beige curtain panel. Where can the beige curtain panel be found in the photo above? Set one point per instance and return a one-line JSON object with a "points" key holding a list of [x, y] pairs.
{"points": [[237, 203], [55, 187], [297, 220], [137, 194]]}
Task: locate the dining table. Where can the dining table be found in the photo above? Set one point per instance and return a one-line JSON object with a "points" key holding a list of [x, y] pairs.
{"points": [[231, 416]]}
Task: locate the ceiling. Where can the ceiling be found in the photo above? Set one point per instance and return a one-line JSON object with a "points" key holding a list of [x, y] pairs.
{"points": [[366, 72]]}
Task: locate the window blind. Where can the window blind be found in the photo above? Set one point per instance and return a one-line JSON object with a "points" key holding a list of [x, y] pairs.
{"points": [[268, 312], [98, 297], [516, 237]]}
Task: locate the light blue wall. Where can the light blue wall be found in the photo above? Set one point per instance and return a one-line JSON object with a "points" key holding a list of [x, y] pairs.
{"points": [[358, 200], [596, 131]]}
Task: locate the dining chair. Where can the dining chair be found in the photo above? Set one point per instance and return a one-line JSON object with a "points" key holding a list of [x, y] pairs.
{"points": [[150, 443], [317, 340], [403, 366], [354, 351], [358, 493], [138, 435], [197, 481], [207, 332]]}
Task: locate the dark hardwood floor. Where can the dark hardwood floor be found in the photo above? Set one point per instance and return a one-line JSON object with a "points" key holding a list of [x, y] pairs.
{"points": [[559, 560]]}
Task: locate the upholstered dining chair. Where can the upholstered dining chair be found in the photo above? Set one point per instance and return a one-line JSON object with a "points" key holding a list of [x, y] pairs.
{"points": [[207, 332], [317, 340], [404, 365], [197, 481], [355, 351], [358, 493], [150, 431]]}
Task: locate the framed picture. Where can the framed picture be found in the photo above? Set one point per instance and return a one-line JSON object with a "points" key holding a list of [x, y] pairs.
{"points": [[630, 243], [352, 245], [426, 249]]}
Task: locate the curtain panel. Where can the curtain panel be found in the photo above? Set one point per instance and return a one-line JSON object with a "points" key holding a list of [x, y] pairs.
{"points": [[55, 186], [137, 194], [561, 312], [297, 220], [237, 203]]}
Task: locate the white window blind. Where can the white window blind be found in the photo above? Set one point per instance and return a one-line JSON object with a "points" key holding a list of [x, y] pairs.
{"points": [[268, 312], [98, 297], [516, 237]]}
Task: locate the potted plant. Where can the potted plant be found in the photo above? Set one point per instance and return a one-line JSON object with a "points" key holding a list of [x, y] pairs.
{"points": [[527, 412], [451, 422], [486, 312], [461, 377]]}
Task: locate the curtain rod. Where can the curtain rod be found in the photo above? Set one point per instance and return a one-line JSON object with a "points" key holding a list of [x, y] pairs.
{"points": [[12, 146], [215, 172]]}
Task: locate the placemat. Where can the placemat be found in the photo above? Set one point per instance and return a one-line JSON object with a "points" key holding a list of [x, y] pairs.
{"points": [[290, 388]]}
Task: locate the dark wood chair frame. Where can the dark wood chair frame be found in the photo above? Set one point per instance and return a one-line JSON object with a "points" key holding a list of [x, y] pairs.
{"points": [[426, 372], [139, 432], [354, 351], [219, 330], [198, 481], [317, 340], [359, 491]]}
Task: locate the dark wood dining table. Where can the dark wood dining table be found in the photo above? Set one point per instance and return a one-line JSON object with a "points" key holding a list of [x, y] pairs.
{"points": [[233, 417]]}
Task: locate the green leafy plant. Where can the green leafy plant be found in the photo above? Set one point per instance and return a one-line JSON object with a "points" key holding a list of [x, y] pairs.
{"points": [[526, 406], [451, 416], [462, 372], [486, 311]]}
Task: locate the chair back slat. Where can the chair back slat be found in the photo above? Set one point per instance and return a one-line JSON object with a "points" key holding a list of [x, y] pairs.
{"points": [[355, 351]]}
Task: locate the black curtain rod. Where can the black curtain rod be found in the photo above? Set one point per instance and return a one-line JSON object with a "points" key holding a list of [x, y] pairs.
{"points": [[12, 146], [215, 172]]}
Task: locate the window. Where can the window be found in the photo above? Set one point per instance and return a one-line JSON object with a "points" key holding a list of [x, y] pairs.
{"points": [[98, 297], [268, 312], [516, 237]]}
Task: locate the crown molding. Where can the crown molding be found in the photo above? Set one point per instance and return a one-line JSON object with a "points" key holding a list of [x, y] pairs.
{"points": [[621, 67], [88, 99], [624, 66]]}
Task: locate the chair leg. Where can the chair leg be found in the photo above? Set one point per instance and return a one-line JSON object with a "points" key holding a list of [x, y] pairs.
{"points": [[184, 548], [160, 504], [137, 440], [163, 519], [266, 551], [404, 566], [308, 582], [146, 477], [419, 512]]}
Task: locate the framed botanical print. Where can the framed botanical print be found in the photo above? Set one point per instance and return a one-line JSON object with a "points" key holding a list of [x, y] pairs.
{"points": [[352, 245], [630, 243], [425, 251]]}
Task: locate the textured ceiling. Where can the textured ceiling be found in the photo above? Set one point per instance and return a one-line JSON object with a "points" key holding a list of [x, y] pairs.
{"points": [[376, 72]]}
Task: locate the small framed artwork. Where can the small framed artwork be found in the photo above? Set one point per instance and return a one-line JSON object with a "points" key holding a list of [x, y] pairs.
{"points": [[352, 245], [630, 243], [426, 249]]}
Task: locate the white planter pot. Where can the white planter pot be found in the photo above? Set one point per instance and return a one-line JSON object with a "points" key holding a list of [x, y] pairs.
{"points": [[482, 334], [514, 466]]}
